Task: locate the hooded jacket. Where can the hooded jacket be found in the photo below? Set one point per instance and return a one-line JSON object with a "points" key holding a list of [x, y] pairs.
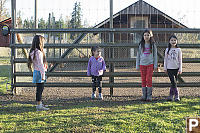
{"points": [[38, 62]]}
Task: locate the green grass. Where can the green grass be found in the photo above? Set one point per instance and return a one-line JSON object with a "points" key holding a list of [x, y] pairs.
{"points": [[4, 60], [93, 116], [5, 52], [4, 73]]}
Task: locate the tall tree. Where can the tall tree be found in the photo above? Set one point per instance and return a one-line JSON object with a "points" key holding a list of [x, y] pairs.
{"points": [[59, 25], [42, 24], [26, 24], [32, 23], [19, 20], [67, 22], [75, 21], [3, 11]]}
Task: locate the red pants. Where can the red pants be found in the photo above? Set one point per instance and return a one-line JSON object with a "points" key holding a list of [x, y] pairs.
{"points": [[146, 75]]}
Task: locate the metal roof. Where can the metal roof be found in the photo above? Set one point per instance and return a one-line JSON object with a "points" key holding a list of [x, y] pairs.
{"points": [[141, 8]]}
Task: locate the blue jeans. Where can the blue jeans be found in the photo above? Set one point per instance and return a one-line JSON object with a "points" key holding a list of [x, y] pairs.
{"points": [[37, 77]]}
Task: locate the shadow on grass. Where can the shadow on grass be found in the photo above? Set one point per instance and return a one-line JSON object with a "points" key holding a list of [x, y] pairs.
{"points": [[5, 69], [85, 102]]}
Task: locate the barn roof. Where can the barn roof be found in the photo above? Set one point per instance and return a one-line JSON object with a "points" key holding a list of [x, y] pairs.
{"points": [[8, 20], [141, 7]]}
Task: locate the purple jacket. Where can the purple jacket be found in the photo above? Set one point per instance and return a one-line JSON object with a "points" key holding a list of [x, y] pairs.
{"points": [[96, 67]]}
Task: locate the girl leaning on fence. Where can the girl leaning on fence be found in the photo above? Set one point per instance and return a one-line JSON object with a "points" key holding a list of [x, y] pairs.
{"points": [[38, 60], [146, 62]]}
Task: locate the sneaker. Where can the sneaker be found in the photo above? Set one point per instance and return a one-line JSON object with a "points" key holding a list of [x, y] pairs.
{"points": [[44, 105], [100, 96], [41, 108], [176, 95], [176, 99], [93, 95]]}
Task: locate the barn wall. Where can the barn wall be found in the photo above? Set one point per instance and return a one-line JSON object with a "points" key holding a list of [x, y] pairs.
{"points": [[153, 17], [5, 40]]}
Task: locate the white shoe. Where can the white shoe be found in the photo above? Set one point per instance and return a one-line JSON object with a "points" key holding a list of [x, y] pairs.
{"points": [[93, 95], [41, 108], [44, 105], [100, 96]]}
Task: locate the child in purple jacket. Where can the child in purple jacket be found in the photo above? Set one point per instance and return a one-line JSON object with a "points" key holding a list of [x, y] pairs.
{"points": [[96, 69]]}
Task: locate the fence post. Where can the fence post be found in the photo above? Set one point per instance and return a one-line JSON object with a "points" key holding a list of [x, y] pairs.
{"points": [[54, 38], [111, 40], [60, 26], [13, 67], [49, 26], [36, 21]]}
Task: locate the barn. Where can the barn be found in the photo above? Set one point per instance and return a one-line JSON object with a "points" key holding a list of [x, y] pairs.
{"points": [[138, 15], [4, 32]]}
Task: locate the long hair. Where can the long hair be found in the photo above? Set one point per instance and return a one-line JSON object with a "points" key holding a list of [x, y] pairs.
{"points": [[37, 43], [94, 48], [169, 45], [151, 41]]}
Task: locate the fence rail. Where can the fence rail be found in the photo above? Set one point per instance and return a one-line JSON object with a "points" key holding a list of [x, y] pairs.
{"points": [[127, 85], [107, 30], [103, 45], [107, 74], [82, 60]]}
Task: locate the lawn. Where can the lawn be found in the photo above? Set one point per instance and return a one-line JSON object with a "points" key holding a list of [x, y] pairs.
{"points": [[4, 73], [100, 116]]}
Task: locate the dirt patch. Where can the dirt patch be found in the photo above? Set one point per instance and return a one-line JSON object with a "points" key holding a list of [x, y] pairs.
{"points": [[67, 96]]}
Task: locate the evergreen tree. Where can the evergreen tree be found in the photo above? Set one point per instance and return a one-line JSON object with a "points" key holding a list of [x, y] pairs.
{"points": [[19, 20], [26, 24], [42, 24], [75, 21], [59, 25], [3, 11]]}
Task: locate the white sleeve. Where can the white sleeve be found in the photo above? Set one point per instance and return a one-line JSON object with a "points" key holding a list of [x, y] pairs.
{"points": [[180, 60], [155, 56], [138, 58], [165, 59]]}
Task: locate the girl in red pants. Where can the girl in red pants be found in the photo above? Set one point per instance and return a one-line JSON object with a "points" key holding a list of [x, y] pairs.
{"points": [[146, 62]]}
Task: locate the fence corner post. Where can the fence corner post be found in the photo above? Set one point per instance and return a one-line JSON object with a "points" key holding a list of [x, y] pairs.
{"points": [[111, 40]]}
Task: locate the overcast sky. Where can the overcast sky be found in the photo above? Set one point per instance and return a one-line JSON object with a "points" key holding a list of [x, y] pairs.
{"points": [[95, 11]]}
